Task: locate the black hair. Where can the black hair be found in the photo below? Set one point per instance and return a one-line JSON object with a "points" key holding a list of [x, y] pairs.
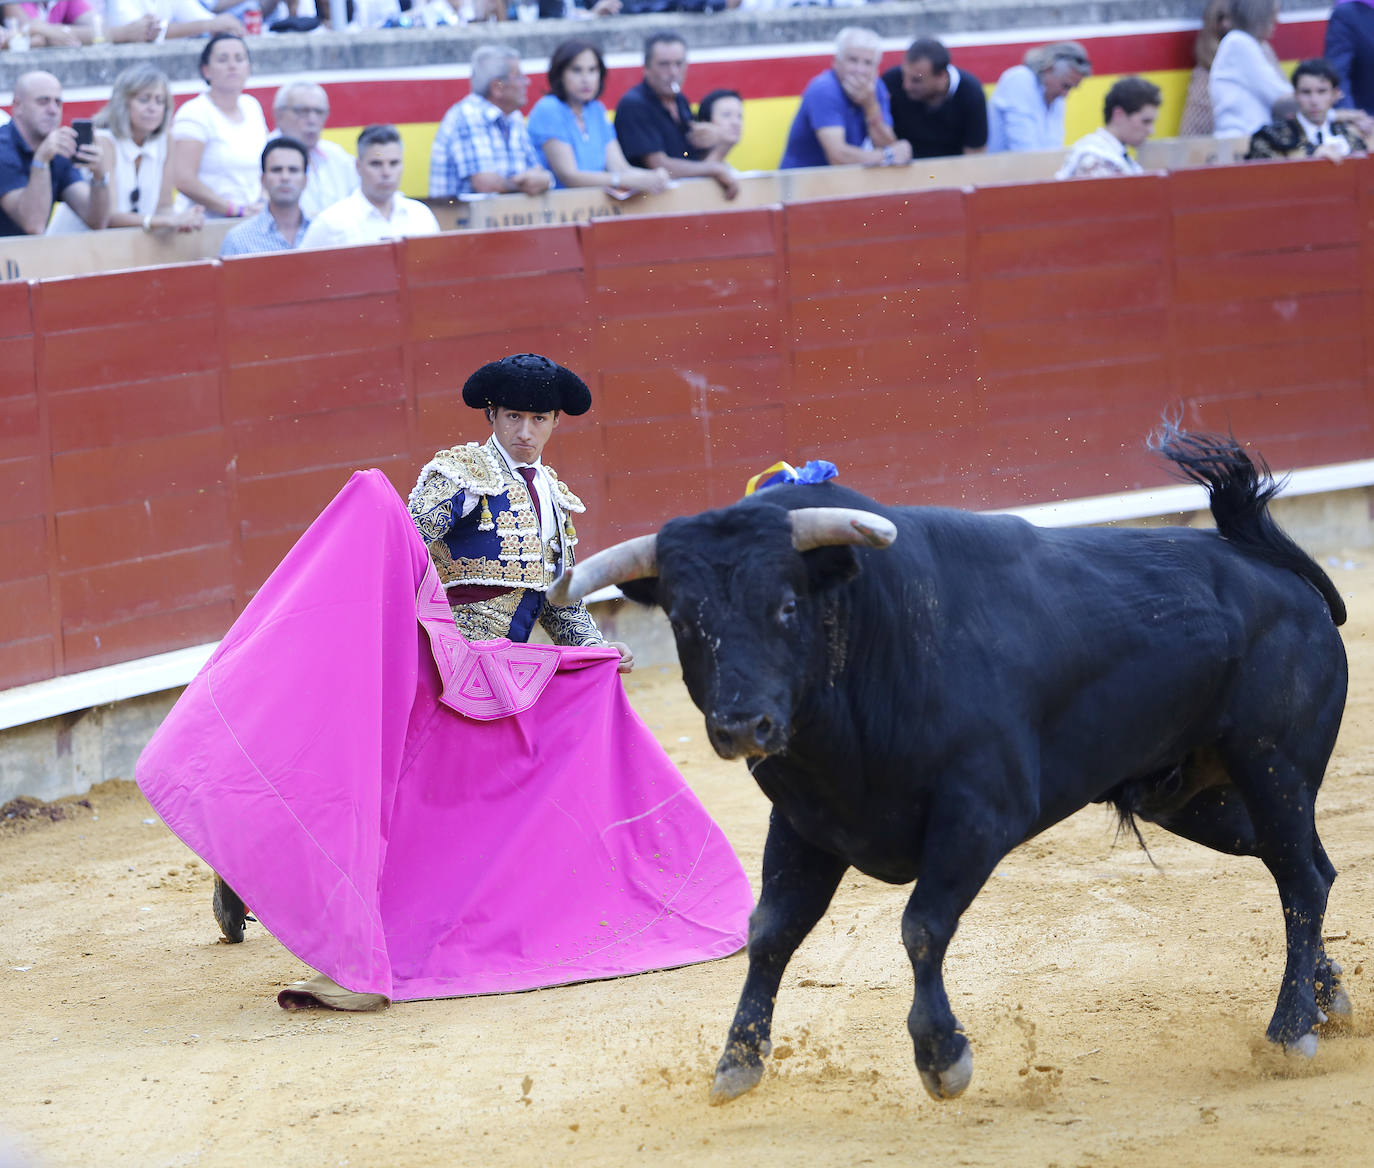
{"points": [[1131, 95], [929, 49], [708, 103], [285, 143], [565, 55], [661, 38], [381, 135], [213, 41], [1317, 67]]}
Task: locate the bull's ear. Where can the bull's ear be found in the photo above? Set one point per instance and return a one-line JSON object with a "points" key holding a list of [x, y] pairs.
{"points": [[829, 567], [642, 591]]}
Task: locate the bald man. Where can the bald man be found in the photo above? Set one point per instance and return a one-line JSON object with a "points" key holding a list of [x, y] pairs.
{"points": [[301, 109], [38, 162]]}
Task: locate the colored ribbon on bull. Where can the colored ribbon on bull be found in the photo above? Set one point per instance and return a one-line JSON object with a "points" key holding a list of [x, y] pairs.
{"points": [[817, 470]]}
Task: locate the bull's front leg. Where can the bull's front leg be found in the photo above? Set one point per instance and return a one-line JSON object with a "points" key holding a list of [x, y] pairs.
{"points": [[798, 882], [962, 848]]}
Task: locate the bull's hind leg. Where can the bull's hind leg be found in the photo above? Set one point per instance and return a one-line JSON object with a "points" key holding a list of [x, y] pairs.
{"points": [[798, 883], [1281, 809]]}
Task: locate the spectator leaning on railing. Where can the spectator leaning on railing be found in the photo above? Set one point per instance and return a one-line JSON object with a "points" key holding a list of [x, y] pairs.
{"points": [[376, 210], [483, 145], [38, 157], [217, 138], [281, 225], [570, 129], [131, 134], [1027, 107], [844, 116], [937, 108], [145, 19], [724, 110]]}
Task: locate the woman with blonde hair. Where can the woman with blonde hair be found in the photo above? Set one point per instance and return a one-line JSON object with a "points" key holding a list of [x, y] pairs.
{"points": [[131, 132], [1245, 81]]}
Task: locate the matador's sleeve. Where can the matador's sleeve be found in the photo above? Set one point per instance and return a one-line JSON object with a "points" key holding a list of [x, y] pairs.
{"points": [[432, 503], [570, 624]]}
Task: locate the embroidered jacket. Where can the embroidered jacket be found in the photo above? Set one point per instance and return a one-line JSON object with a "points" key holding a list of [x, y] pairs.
{"points": [[498, 544], [1285, 139]]}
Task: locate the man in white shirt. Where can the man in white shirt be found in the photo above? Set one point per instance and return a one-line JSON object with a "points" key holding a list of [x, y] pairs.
{"points": [[301, 109], [376, 210]]}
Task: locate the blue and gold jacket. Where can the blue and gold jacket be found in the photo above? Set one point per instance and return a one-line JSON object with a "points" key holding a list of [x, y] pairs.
{"points": [[498, 544]]}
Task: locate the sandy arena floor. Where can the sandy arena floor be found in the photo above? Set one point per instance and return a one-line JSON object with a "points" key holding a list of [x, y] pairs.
{"points": [[1116, 1012]]}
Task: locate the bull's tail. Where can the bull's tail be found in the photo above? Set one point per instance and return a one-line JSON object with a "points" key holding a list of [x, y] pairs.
{"points": [[1239, 491]]}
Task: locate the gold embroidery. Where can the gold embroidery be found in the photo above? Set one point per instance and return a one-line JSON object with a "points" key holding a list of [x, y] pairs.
{"points": [[485, 620], [570, 501], [473, 468]]}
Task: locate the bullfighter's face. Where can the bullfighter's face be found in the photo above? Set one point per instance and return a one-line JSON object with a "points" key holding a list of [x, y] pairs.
{"points": [[523, 434]]}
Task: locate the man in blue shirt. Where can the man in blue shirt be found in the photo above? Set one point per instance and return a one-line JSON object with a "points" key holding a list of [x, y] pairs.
{"points": [[845, 114], [36, 162], [1027, 107], [280, 226]]}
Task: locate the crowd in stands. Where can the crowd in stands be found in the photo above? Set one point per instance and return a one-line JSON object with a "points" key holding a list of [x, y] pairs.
{"points": [[140, 165]]}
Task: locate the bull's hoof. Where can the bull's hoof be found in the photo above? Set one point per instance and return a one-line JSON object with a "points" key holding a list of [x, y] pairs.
{"points": [[953, 1080], [230, 911], [1339, 1013], [1305, 1047], [734, 1079]]}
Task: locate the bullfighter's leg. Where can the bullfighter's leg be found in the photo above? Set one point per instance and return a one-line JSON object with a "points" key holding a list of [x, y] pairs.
{"points": [[798, 883], [963, 846], [230, 911]]}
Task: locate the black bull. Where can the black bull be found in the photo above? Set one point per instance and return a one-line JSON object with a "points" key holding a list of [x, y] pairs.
{"points": [[918, 711]]}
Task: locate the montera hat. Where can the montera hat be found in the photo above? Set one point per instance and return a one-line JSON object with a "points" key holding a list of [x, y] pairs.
{"points": [[529, 383]]}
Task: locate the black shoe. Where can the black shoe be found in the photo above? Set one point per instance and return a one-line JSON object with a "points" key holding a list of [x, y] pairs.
{"points": [[230, 911]]}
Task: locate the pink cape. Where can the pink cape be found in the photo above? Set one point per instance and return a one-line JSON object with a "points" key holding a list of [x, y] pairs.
{"points": [[320, 763]]}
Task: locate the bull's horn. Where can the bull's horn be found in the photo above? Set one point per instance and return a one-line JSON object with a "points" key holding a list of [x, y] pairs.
{"points": [[814, 527], [632, 560]]}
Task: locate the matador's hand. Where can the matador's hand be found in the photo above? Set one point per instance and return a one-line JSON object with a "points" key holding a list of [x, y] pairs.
{"points": [[627, 656]]}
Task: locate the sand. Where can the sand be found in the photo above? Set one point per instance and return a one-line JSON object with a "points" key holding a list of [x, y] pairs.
{"points": [[1116, 1011]]}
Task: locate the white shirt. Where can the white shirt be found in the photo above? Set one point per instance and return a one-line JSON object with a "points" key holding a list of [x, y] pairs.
{"points": [[231, 164], [1243, 85], [119, 12], [1324, 135], [353, 220], [136, 168]]}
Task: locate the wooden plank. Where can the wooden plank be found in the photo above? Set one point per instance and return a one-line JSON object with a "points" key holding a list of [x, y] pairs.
{"points": [[323, 381], [143, 636], [98, 594], [864, 264], [495, 305], [113, 414], [142, 528], [139, 470], [442, 259]]}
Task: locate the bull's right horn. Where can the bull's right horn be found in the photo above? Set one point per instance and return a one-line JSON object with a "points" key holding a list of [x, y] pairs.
{"points": [[634, 559], [814, 527]]}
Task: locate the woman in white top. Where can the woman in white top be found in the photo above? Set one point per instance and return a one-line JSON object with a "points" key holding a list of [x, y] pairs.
{"points": [[132, 134], [1244, 82], [218, 137]]}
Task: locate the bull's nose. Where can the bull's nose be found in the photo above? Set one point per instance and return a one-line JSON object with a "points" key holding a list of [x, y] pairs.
{"points": [[748, 735]]}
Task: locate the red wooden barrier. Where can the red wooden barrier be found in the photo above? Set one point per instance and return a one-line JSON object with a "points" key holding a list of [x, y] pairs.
{"points": [[165, 434]]}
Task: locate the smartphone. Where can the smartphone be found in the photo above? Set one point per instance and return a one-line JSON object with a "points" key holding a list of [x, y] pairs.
{"points": [[85, 131]]}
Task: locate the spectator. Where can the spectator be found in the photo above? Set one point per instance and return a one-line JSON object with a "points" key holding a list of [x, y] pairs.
{"points": [[654, 122], [1027, 107], [1350, 49], [1196, 119], [1245, 82], [723, 109], [143, 20], [937, 108], [376, 210], [131, 133], [301, 109], [483, 145], [36, 162], [217, 138], [844, 115], [1312, 131], [63, 24], [1128, 116], [281, 225], [570, 128]]}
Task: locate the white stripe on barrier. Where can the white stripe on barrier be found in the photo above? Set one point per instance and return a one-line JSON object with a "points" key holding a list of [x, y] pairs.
{"points": [[149, 675]]}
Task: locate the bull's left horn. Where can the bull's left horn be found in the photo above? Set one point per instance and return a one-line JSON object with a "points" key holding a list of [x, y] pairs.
{"points": [[632, 560], [814, 527]]}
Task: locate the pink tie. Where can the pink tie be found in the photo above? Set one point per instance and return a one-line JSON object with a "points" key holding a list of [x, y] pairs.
{"points": [[527, 473]]}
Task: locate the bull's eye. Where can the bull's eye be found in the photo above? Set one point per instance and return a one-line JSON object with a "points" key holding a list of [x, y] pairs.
{"points": [[787, 608]]}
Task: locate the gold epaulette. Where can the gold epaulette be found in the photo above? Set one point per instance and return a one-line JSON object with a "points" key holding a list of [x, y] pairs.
{"points": [[471, 467], [570, 501]]}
